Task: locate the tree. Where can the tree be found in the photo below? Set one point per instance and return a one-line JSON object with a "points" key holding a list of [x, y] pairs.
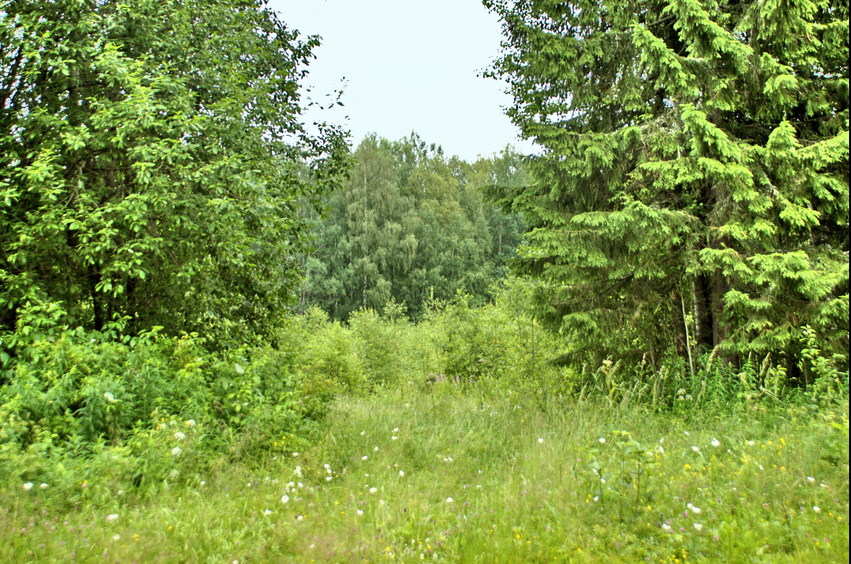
{"points": [[409, 225], [692, 194], [152, 166]]}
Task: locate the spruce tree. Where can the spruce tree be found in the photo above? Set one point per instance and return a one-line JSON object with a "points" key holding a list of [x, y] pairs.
{"points": [[691, 194]]}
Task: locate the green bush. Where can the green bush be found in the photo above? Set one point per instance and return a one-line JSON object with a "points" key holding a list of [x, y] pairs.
{"points": [[151, 409], [385, 345]]}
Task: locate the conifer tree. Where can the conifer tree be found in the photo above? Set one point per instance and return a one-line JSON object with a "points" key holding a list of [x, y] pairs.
{"points": [[692, 191]]}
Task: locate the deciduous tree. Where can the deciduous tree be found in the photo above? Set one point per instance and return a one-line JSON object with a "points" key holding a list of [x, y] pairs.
{"points": [[410, 225], [152, 161]]}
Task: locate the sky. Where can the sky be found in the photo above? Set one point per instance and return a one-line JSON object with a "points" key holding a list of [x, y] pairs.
{"points": [[408, 66]]}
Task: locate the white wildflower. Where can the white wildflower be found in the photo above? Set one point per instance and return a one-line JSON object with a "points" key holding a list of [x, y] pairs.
{"points": [[816, 508], [449, 500], [43, 486], [540, 440], [176, 451], [28, 486], [695, 449], [179, 436], [112, 517], [401, 473], [109, 397], [715, 442], [373, 490], [359, 512], [698, 527], [285, 498], [602, 440], [267, 512]]}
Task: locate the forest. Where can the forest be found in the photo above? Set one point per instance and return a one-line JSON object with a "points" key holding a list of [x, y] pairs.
{"points": [[230, 335]]}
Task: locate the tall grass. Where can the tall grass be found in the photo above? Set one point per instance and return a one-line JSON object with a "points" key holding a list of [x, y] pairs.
{"points": [[459, 474]]}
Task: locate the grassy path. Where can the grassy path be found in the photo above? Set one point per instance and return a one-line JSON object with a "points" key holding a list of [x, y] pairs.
{"points": [[462, 478]]}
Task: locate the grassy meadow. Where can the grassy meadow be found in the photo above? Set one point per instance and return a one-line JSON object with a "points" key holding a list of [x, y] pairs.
{"points": [[459, 474]]}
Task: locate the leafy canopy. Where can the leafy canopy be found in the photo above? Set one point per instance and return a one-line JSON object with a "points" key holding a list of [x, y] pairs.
{"points": [[152, 166], [410, 225]]}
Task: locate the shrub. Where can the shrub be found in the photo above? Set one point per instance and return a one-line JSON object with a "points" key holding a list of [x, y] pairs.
{"points": [[154, 405]]}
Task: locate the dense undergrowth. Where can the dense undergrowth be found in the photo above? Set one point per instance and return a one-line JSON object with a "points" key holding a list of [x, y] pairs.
{"points": [[158, 410]]}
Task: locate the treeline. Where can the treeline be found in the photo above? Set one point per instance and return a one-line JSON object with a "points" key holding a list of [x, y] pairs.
{"points": [[411, 225]]}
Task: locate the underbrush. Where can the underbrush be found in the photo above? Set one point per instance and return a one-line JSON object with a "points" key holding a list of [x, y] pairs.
{"points": [[147, 413], [153, 411]]}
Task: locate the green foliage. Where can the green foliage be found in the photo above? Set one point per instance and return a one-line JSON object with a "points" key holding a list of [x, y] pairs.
{"points": [[692, 193], [384, 344], [152, 164], [498, 343], [621, 469], [470, 476], [163, 408], [410, 225]]}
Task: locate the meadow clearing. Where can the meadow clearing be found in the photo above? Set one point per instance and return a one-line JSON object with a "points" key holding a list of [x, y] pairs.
{"points": [[458, 475]]}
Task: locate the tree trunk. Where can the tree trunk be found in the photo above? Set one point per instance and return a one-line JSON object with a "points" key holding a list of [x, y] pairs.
{"points": [[703, 314], [97, 299]]}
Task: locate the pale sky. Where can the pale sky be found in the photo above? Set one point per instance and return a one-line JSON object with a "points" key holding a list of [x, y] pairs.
{"points": [[408, 65]]}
